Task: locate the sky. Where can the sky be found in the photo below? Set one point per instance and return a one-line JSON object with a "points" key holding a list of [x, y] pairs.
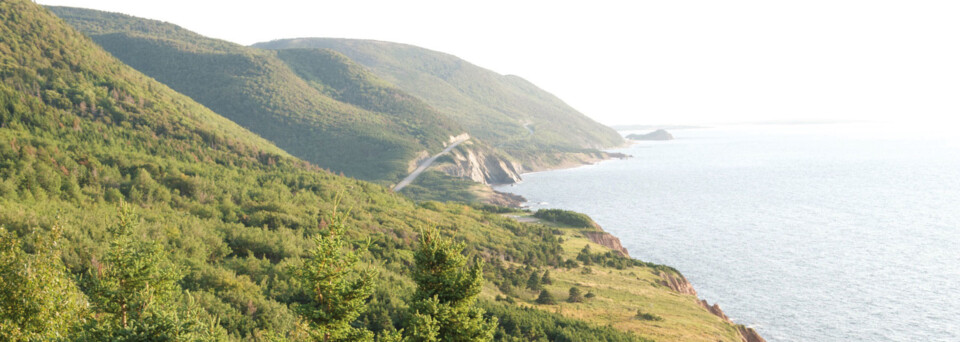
{"points": [[648, 62]]}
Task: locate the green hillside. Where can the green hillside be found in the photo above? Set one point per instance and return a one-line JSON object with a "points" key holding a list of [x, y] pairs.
{"points": [[221, 226], [338, 116], [505, 111]]}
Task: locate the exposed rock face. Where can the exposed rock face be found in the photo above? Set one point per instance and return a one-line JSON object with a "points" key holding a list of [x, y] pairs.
{"points": [[746, 334], [659, 134], [680, 284], [715, 310], [481, 166], [605, 239], [503, 199], [749, 335], [677, 283]]}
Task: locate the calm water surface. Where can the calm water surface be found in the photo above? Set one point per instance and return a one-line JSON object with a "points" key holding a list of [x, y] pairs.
{"points": [[806, 233]]}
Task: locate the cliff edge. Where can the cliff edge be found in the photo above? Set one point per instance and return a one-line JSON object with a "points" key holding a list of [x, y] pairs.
{"points": [[480, 165], [676, 282]]}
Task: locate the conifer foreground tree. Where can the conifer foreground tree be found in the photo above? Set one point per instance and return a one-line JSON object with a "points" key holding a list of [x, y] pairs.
{"points": [[444, 304], [135, 294], [337, 287]]}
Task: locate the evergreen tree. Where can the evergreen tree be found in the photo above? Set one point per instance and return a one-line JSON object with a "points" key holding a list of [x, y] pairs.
{"points": [[444, 305], [533, 282], [576, 296], [584, 256], [136, 296], [38, 300], [546, 298], [546, 280], [338, 288]]}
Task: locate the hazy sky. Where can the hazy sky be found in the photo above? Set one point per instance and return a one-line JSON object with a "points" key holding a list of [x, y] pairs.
{"points": [[648, 61]]}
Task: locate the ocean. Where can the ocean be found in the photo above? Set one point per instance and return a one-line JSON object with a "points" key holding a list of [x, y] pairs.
{"points": [[816, 232]]}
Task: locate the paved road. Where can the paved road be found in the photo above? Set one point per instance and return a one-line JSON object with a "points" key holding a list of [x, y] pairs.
{"points": [[425, 164]]}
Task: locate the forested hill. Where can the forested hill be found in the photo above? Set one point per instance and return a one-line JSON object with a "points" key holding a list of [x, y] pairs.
{"points": [[218, 223], [338, 116], [129, 212], [506, 111]]}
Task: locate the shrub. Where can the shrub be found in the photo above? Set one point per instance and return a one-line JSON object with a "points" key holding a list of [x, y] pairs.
{"points": [[546, 298], [644, 316], [576, 296], [566, 217]]}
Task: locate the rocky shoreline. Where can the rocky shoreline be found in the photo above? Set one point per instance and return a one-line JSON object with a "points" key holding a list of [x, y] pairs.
{"points": [[676, 282]]}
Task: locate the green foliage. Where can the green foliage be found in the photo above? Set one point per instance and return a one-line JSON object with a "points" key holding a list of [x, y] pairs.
{"points": [[444, 303], [566, 217], [338, 290], [545, 298], [533, 282], [615, 260], [576, 296], [529, 324], [38, 300], [496, 209], [135, 295], [438, 186], [134, 277], [317, 105], [643, 316], [546, 279]]}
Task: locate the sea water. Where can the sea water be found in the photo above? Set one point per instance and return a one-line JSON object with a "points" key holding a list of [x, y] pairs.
{"points": [[839, 232]]}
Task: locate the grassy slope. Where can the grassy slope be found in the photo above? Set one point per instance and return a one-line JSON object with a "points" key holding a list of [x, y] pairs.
{"points": [[347, 122], [620, 293], [491, 106]]}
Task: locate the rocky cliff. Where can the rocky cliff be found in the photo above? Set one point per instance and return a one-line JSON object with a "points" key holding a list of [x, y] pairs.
{"points": [[605, 239], [746, 334], [679, 284], [480, 164]]}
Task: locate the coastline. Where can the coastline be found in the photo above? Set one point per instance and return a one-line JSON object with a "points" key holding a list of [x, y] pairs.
{"points": [[574, 160], [677, 283], [491, 195]]}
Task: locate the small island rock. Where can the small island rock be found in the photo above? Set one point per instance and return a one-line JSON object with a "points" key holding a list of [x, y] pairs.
{"points": [[659, 134]]}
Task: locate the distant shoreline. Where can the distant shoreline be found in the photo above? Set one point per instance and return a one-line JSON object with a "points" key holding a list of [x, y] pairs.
{"points": [[711, 125]]}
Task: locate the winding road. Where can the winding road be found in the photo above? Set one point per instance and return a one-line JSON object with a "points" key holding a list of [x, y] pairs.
{"points": [[426, 163]]}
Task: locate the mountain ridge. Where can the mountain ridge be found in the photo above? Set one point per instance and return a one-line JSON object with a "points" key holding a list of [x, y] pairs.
{"points": [[260, 91], [508, 112]]}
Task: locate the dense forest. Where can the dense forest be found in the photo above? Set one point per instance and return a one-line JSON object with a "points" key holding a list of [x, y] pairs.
{"points": [[129, 212], [330, 112]]}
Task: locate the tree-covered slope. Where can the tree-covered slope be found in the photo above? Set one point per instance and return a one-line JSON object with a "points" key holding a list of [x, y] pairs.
{"points": [[220, 224], [505, 111], [337, 117]]}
